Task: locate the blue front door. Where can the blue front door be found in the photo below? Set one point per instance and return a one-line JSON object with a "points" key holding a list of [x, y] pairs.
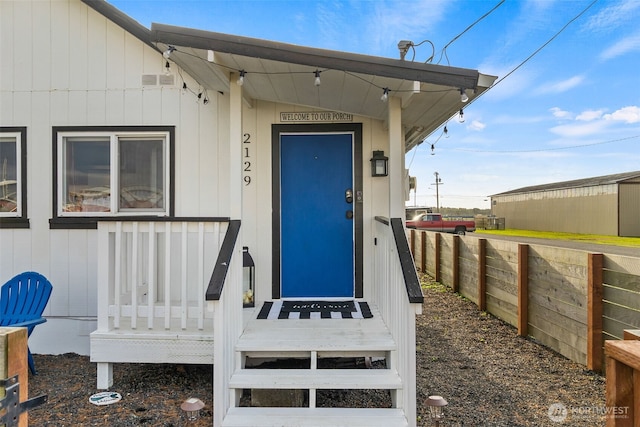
{"points": [[316, 215]]}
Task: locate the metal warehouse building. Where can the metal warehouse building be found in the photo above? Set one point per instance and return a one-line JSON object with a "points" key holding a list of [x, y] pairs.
{"points": [[608, 205]]}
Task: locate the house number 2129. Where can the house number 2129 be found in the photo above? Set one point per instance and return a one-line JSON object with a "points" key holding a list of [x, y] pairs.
{"points": [[246, 165]]}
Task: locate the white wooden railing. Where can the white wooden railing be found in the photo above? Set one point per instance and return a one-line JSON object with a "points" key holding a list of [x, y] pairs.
{"points": [[398, 304], [152, 275], [224, 294]]}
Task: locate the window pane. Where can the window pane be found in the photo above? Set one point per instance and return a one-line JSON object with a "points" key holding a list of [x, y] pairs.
{"points": [[141, 176], [86, 178], [8, 175]]}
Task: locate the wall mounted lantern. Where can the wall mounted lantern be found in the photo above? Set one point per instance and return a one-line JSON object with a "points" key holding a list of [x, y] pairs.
{"points": [[379, 164], [248, 277]]}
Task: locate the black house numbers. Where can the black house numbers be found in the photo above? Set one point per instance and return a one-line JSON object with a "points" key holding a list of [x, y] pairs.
{"points": [[246, 163]]}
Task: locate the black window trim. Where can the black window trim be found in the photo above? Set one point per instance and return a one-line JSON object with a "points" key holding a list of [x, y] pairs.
{"points": [[77, 222], [21, 221]]}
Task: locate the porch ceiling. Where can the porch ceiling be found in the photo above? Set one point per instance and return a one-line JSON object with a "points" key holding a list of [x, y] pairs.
{"points": [[351, 83]]}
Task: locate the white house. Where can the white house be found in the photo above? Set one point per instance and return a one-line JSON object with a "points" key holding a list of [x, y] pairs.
{"points": [[137, 164]]}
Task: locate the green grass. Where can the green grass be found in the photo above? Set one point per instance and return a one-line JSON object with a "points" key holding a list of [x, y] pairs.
{"points": [[632, 242]]}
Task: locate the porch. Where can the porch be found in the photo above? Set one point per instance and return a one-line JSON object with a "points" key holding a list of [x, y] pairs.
{"points": [[159, 302]]}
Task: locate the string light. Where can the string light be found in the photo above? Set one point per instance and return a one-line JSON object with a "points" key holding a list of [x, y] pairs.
{"points": [[317, 81], [461, 116], [446, 131], [167, 53], [167, 68], [463, 95], [385, 94]]}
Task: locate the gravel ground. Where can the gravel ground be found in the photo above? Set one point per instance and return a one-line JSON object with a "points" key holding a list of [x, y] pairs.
{"points": [[489, 376]]}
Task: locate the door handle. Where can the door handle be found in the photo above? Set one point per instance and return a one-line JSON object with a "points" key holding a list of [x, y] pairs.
{"points": [[348, 195]]}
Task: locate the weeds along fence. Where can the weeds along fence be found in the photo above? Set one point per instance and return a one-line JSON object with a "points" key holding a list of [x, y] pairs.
{"points": [[569, 300]]}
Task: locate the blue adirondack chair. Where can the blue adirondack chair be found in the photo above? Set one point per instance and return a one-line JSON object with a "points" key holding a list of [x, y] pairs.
{"points": [[22, 301]]}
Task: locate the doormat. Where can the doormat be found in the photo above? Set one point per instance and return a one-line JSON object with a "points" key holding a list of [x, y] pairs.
{"points": [[315, 310]]}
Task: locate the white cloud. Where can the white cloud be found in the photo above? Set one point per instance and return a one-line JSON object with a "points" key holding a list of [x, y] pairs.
{"points": [[589, 115], [560, 113], [579, 129], [611, 16], [561, 86], [629, 115], [626, 45], [477, 125]]}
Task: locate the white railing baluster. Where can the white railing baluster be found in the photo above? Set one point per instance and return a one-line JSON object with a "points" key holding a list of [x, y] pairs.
{"points": [[183, 281], [133, 288], [201, 275], [167, 275], [151, 275], [117, 285]]}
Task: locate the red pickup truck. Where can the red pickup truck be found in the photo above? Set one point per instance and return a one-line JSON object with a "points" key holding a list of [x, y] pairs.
{"points": [[434, 222]]}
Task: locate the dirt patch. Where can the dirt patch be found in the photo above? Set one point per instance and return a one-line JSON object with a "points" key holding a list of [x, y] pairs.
{"points": [[489, 376]]}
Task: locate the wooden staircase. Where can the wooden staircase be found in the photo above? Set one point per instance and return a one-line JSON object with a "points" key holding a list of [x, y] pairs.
{"points": [[310, 341]]}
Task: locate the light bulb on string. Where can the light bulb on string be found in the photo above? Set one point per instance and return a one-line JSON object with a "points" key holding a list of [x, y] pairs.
{"points": [[463, 96], [167, 53], [240, 80], [461, 116], [385, 95], [317, 81]]}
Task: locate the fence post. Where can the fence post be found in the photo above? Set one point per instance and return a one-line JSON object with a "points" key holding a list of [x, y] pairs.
{"points": [[413, 242], [455, 264], [423, 255], [13, 361], [482, 274], [594, 312], [437, 245], [523, 290]]}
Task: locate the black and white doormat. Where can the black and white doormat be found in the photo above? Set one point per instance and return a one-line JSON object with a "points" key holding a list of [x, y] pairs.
{"points": [[315, 310]]}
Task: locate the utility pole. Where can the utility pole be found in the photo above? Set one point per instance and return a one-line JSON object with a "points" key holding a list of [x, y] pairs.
{"points": [[437, 184]]}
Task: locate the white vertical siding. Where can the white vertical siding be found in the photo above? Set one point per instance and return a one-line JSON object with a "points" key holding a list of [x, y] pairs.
{"points": [[64, 64]]}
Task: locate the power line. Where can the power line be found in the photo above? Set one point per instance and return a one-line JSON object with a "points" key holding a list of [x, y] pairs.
{"points": [[549, 149], [545, 44], [444, 49]]}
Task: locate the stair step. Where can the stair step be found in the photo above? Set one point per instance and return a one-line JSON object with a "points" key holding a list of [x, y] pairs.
{"points": [[314, 417], [336, 379]]}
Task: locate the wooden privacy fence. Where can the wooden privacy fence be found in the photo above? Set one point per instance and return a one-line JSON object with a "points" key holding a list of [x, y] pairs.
{"points": [[569, 300]]}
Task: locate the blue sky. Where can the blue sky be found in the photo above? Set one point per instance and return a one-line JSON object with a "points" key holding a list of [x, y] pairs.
{"points": [[571, 111]]}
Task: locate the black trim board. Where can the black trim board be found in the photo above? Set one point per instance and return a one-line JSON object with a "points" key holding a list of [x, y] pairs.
{"points": [[411, 281], [219, 275]]}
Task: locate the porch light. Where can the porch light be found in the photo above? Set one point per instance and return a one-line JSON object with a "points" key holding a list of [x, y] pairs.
{"points": [[248, 277], [379, 164], [191, 408], [436, 406]]}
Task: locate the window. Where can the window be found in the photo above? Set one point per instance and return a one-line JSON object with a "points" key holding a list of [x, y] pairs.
{"points": [[13, 177], [92, 162]]}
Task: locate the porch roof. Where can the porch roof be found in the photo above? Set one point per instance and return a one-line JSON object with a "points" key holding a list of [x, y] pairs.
{"points": [[279, 72]]}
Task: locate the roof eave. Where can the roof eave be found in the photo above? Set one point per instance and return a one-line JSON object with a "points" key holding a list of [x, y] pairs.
{"points": [[321, 58]]}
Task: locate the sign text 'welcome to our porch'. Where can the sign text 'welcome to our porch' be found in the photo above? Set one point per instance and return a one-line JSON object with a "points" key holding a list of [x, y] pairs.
{"points": [[316, 116]]}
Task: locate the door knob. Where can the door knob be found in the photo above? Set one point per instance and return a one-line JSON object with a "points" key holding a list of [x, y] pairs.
{"points": [[348, 195]]}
